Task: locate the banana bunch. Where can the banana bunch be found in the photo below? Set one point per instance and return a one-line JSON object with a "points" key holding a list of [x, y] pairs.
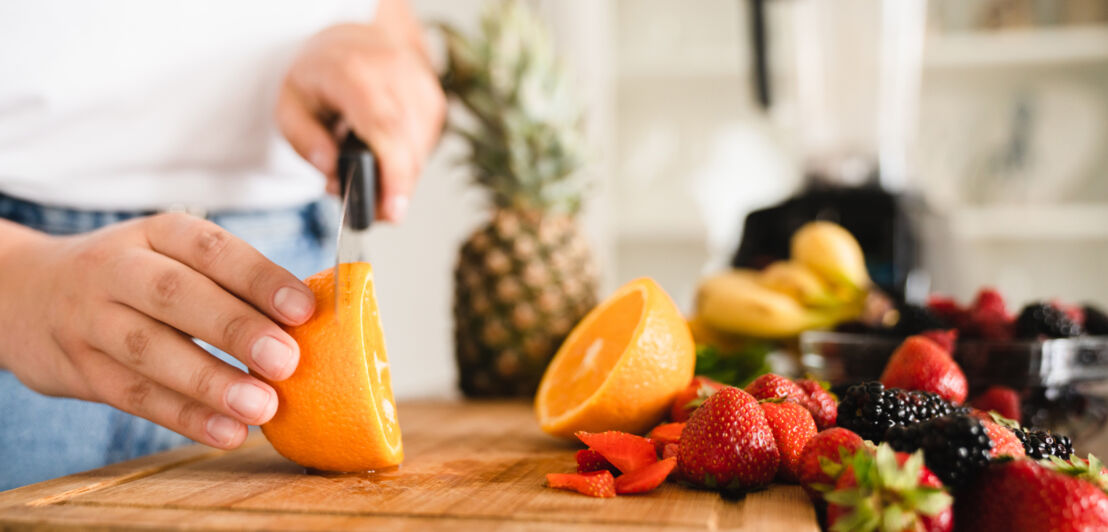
{"points": [[824, 282]]}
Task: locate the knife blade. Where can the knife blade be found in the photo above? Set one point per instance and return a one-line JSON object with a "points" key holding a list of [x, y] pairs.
{"points": [[357, 173]]}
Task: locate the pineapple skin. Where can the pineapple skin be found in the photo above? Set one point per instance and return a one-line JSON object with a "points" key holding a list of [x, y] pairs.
{"points": [[521, 283]]}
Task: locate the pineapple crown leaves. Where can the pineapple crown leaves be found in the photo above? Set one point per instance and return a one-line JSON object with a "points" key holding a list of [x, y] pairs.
{"points": [[887, 495], [1090, 470], [527, 141]]}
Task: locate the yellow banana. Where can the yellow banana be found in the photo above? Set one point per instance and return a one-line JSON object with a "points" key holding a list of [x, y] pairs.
{"points": [[735, 302], [832, 252], [799, 282]]}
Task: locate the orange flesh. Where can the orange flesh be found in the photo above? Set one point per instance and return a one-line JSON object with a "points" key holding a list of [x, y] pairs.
{"points": [[590, 362], [379, 377]]}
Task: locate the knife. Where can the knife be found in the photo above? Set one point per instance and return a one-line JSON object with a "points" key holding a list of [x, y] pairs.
{"points": [[357, 173]]}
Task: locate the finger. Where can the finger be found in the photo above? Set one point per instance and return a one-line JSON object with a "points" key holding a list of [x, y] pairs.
{"points": [[167, 357], [305, 132], [233, 264], [179, 297], [135, 394], [377, 116]]}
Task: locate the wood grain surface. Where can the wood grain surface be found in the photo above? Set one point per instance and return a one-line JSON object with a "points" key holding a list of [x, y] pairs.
{"points": [[468, 466]]}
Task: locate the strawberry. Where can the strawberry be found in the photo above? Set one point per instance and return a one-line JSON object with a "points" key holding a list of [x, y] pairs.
{"points": [[888, 491], [988, 318], [727, 444], [920, 364], [665, 434], [595, 484], [1005, 442], [947, 310], [700, 389], [590, 460], [821, 404], [819, 465], [647, 478], [792, 427], [669, 450], [1000, 399], [771, 386], [946, 339], [627, 452], [1026, 496]]}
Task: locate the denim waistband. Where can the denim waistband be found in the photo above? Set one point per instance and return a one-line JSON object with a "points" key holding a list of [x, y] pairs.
{"points": [[311, 218]]}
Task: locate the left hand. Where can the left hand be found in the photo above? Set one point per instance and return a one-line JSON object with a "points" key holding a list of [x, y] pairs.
{"points": [[378, 79]]}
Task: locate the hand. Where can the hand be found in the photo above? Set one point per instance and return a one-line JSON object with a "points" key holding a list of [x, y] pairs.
{"points": [[107, 316], [378, 80]]}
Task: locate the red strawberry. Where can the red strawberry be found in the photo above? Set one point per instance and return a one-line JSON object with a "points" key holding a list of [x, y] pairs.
{"points": [[792, 427], [771, 386], [669, 450], [595, 484], [1005, 442], [826, 447], [821, 404], [920, 364], [946, 339], [647, 478], [627, 452], [665, 434], [590, 460], [948, 310], [1026, 496], [1000, 399], [692, 396], [889, 491], [728, 444], [988, 317]]}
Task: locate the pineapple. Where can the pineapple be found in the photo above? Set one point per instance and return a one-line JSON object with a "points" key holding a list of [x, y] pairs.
{"points": [[523, 280]]}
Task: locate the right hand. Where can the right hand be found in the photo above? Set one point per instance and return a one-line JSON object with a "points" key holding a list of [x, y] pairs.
{"points": [[109, 316]]}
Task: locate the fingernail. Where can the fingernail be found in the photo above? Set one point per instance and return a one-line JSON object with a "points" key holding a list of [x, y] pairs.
{"points": [[249, 401], [273, 358], [222, 429], [293, 303], [398, 207], [320, 161]]}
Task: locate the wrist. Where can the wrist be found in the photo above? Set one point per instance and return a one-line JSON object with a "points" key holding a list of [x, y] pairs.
{"points": [[19, 246]]}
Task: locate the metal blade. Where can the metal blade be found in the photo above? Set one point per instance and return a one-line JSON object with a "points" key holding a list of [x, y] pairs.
{"points": [[340, 240]]}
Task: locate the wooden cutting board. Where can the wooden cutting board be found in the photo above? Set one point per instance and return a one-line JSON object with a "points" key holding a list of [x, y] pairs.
{"points": [[469, 465]]}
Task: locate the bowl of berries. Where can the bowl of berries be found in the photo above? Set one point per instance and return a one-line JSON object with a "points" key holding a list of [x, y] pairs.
{"points": [[1045, 366]]}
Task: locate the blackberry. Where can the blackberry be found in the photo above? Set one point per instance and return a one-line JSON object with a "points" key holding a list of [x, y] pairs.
{"points": [[1096, 321], [955, 447], [1039, 444], [869, 409], [914, 319], [1044, 319]]}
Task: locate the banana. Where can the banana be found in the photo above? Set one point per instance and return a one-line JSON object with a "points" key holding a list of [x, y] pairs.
{"points": [[736, 302], [832, 252], [799, 282]]}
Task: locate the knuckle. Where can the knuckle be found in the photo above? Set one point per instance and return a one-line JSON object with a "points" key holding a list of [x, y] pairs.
{"points": [[190, 416], [167, 287], [136, 393], [210, 244], [136, 344], [235, 330], [203, 380]]}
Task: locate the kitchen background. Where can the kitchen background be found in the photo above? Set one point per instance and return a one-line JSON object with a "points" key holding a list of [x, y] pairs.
{"points": [[1000, 132]]}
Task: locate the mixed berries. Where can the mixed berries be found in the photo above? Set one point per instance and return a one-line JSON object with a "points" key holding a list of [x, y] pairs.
{"points": [[905, 453]]}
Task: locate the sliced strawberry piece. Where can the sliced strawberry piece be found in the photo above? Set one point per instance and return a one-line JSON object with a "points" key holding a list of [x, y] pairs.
{"points": [[627, 452], [664, 434], [669, 450], [590, 460], [647, 478], [595, 484], [946, 339]]}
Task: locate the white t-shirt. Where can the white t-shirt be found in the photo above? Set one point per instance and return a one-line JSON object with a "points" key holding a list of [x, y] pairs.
{"points": [[146, 104]]}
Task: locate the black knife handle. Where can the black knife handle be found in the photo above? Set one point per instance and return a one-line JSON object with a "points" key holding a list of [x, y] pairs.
{"points": [[357, 162]]}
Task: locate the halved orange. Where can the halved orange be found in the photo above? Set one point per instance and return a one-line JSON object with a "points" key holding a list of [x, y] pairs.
{"points": [[620, 367], [336, 412]]}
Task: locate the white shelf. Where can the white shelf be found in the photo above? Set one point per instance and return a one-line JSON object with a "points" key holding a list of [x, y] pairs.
{"points": [[1018, 48], [1031, 222]]}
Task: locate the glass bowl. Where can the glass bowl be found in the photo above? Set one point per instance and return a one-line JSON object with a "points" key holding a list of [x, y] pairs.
{"points": [[1063, 383]]}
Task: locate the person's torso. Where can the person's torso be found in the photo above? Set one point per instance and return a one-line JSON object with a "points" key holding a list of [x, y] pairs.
{"points": [[145, 104]]}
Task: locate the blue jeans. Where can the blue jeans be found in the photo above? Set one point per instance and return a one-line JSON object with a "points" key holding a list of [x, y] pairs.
{"points": [[45, 437]]}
